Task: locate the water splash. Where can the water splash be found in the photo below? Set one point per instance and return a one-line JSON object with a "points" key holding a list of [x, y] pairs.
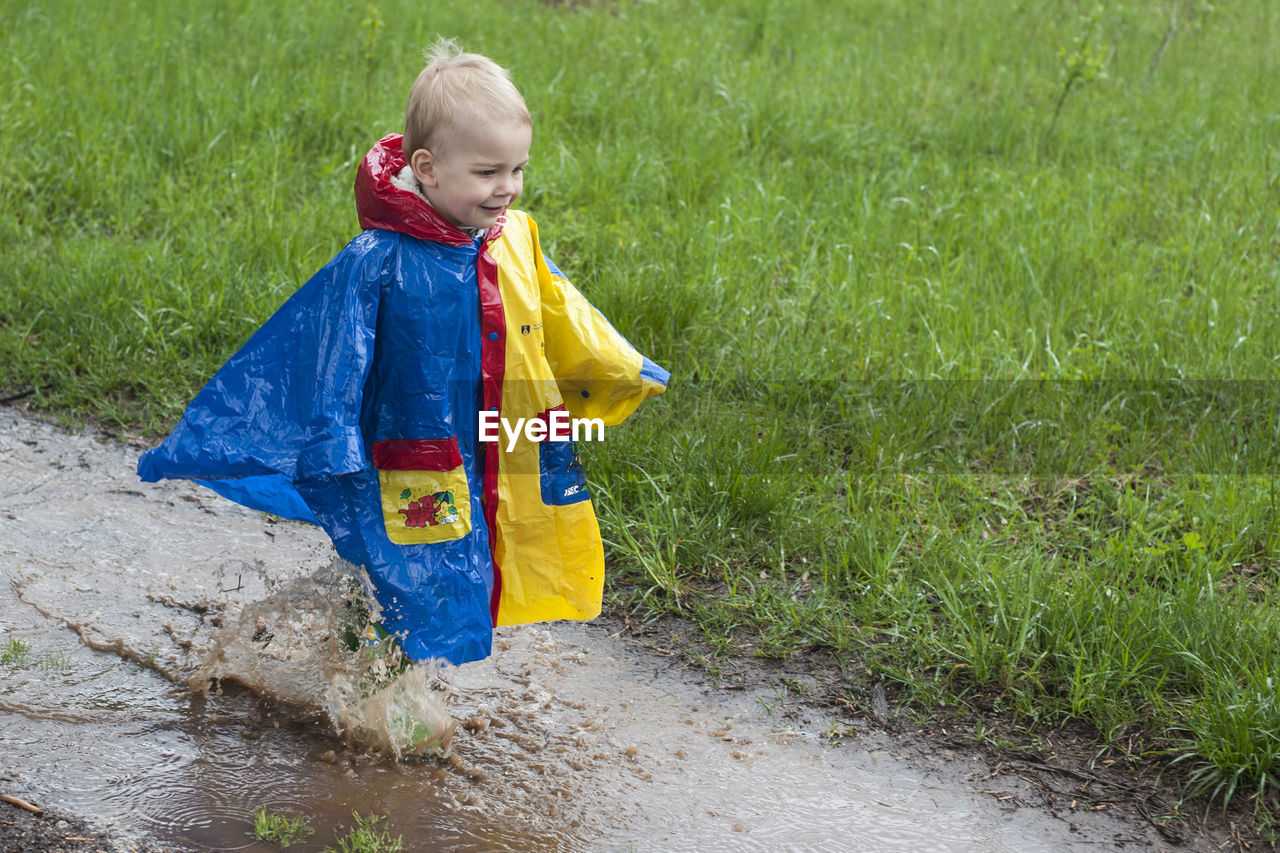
{"points": [[309, 644]]}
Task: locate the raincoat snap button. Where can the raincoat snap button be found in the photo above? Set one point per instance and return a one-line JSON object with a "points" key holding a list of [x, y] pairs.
{"points": [[493, 336], [586, 393]]}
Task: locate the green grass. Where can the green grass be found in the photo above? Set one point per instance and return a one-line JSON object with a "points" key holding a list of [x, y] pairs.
{"points": [[970, 307], [17, 652], [368, 836], [14, 652], [279, 829]]}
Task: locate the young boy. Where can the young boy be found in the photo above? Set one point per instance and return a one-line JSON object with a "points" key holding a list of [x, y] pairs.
{"points": [[369, 402]]}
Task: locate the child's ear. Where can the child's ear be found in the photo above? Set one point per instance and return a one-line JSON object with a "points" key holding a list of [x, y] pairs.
{"points": [[424, 167]]}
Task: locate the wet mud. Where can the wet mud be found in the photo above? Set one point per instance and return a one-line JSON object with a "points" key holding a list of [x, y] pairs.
{"points": [[118, 594]]}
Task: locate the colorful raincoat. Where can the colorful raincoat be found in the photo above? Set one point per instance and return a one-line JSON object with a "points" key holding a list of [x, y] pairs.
{"points": [[359, 406]]}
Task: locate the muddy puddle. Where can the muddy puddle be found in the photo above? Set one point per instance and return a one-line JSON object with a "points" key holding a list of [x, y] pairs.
{"points": [[566, 739]]}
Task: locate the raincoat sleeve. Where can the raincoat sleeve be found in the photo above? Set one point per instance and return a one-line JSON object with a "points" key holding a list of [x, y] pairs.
{"points": [[287, 405], [598, 373]]}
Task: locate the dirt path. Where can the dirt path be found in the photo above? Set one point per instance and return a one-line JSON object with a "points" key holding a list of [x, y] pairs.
{"points": [[573, 737]]}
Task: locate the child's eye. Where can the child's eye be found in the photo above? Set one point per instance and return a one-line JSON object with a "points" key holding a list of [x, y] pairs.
{"points": [[488, 173]]}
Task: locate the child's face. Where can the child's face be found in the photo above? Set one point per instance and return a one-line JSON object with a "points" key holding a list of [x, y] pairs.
{"points": [[479, 172]]}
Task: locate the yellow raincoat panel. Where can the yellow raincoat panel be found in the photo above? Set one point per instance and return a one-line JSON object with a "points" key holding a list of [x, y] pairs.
{"points": [[561, 354]]}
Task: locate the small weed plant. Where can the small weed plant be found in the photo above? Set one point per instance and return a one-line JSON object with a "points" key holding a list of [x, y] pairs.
{"points": [[1081, 63], [368, 836], [53, 660], [279, 829], [15, 652]]}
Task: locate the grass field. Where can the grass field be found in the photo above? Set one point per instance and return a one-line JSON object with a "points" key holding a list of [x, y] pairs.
{"points": [[972, 309]]}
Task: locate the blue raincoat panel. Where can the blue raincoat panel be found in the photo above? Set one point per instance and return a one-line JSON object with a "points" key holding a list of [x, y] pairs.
{"points": [[288, 424]]}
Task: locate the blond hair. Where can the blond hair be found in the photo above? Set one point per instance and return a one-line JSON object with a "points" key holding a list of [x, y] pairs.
{"points": [[453, 87]]}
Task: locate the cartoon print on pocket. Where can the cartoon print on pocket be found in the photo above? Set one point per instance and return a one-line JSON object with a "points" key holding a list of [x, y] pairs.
{"points": [[424, 490], [428, 510]]}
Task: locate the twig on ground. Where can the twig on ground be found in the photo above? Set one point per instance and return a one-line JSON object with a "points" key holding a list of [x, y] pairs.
{"points": [[22, 804], [1085, 777], [21, 395]]}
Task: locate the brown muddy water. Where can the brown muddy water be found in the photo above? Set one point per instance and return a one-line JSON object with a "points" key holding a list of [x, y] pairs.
{"points": [[567, 739]]}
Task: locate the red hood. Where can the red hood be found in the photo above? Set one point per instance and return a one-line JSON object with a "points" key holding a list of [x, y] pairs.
{"points": [[383, 205]]}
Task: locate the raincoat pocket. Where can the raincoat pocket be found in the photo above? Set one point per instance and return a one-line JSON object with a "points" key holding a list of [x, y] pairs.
{"points": [[424, 490], [559, 468]]}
